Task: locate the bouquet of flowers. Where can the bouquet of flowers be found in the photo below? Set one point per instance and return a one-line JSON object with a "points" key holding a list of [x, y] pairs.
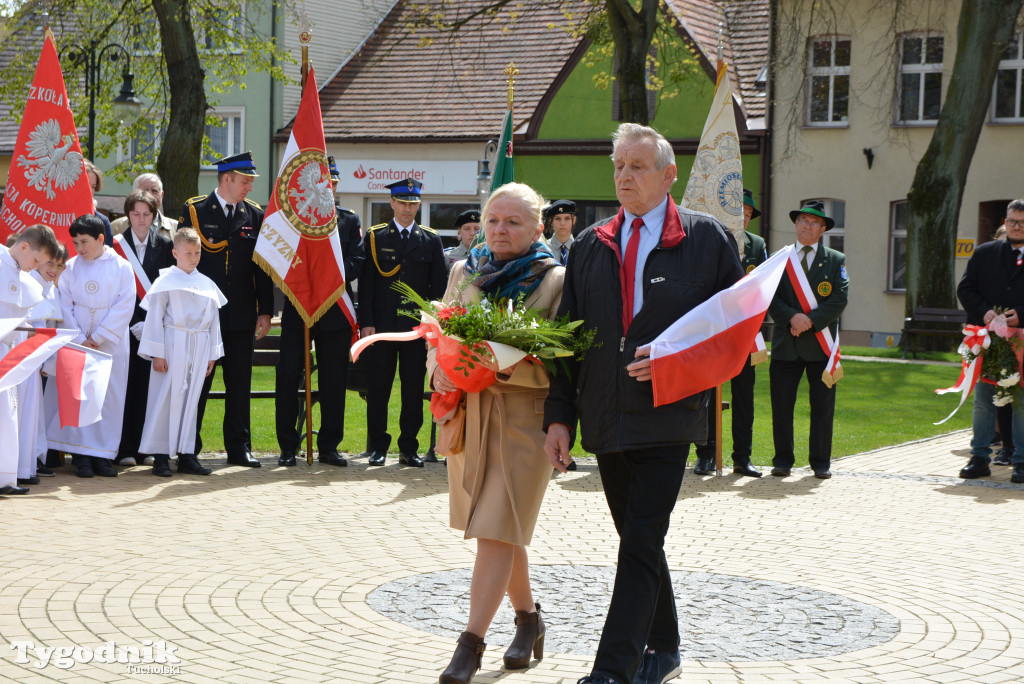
{"points": [[476, 340], [999, 348]]}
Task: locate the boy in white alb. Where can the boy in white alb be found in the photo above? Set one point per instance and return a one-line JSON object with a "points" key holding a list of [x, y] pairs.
{"points": [[19, 295], [181, 336], [97, 296], [32, 443]]}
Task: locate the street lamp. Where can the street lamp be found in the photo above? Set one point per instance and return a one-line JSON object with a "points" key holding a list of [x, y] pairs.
{"points": [[91, 58], [483, 171]]}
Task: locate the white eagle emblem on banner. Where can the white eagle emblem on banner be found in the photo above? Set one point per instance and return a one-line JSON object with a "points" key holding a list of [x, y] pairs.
{"points": [[50, 165]]}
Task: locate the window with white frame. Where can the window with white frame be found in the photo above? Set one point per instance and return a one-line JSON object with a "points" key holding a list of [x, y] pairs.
{"points": [[828, 81], [1008, 92], [836, 210], [897, 281], [227, 138], [920, 78]]}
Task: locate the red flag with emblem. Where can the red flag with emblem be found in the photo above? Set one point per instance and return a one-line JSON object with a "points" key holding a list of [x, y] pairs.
{"points": [[47, 182], [298, 245]]}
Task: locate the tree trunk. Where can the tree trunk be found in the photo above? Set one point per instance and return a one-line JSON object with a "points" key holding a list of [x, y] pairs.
{"points": [[985, 27], [632, 33], [178, 163]]}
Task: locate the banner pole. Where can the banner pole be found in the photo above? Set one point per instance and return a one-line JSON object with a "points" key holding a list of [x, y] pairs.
{"points": [[305, 37], [718, 429]]}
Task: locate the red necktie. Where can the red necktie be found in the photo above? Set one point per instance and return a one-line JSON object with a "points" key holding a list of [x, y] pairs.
{"points": [[629, 267]]}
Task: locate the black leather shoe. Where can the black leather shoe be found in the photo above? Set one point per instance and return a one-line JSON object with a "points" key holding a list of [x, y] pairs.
{"points": [[42, 470], [823, 474], [333, 458], [244, 458], [287, 458], [1004, 457], [595, 680], [410, 458], [572, 465], [658, 667], [83, 466], [162, 466], [103, 467], [705, 465], [28, 480], [746, 468], [780, 472], [11, 489], [975, 468], [188, 463], [1018, 473], [377, 458], [429, 457]]}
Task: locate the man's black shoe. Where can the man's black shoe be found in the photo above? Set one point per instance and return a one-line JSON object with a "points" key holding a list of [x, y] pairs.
{"points": [[410, 458], [823, 474], [188, 463], [745, 467], [42, 470], [1018, 473], [103, 467], [287, 458], [11, 489], [162, 465], [572, 465], [780, 472], [705, 465], [595, 680], [429, 457], [975, 468], [658, 667], [377, 458], [333, 458], [83, 466], [1004, 457], [244, 458], [28, 480]]}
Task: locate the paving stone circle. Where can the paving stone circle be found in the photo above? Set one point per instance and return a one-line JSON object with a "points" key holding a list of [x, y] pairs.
{"points": [[721, 617]]}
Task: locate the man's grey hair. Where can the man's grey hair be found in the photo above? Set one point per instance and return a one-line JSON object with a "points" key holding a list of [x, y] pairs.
{"points": [[631, 132], [148, 178], [1015, 205]]}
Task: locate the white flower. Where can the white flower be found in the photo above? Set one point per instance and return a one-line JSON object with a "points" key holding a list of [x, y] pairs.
{"points": [[1002, 399], [1010, 381]]}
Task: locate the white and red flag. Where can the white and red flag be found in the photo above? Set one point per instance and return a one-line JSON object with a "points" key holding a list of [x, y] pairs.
{"points": [[28, 357], [833, 372], [125, 251], [298, 245], [81, 376], [47, 182], [712, 342]]}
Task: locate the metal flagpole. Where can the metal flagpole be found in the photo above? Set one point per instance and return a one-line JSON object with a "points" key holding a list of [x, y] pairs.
{"points": [[305, 36], [718, 389]]}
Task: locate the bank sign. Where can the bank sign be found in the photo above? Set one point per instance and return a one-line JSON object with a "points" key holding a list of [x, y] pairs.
{"points": [[372, 176]]}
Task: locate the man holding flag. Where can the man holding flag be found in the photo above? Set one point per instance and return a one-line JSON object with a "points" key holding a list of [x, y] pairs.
{"points": [[806, 309]]}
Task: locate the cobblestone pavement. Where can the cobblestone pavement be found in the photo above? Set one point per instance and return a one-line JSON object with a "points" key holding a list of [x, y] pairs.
{"points": [[893, 571]]}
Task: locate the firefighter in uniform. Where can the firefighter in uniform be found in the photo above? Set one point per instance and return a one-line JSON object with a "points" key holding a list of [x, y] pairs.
{"points": [[398, 250], [332, 337], [228, 224]]}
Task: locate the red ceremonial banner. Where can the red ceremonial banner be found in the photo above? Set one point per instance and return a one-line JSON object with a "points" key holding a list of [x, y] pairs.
{"points": [[47, 182]]}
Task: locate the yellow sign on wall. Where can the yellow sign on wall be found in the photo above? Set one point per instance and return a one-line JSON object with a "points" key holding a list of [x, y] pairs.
{"points": [[964, 248]]}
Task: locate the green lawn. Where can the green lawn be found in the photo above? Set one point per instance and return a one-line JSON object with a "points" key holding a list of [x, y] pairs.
{"points": [[877, 404]]}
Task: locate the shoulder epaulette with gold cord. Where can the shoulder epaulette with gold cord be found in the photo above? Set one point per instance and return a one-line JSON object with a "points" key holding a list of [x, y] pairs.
{"points": [[429, 229], [189, 202], [255, 204], [378, 226], [373, 251], [211, 247]]}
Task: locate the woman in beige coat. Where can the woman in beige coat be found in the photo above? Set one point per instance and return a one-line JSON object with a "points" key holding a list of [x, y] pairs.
{"points": [[498, 482]]}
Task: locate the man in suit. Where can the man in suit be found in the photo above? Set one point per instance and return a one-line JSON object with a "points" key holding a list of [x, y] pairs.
{"points": [[560, 217], [228, 224], [398, 250], [623, 281], [332, 336], [994, 279], [742, 403], [796, 348], [151, 183], [147, 251]]}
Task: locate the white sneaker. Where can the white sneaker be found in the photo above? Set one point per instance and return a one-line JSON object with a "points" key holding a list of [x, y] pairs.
{"points": [[127, 461], [148, 460]]}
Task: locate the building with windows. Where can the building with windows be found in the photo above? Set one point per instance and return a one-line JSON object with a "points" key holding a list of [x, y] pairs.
{"points": [[426, 104], [857, 90]]}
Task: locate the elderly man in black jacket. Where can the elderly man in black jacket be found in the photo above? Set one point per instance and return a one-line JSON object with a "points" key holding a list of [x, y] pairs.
{"points": [[630, 278], [994, 278]]}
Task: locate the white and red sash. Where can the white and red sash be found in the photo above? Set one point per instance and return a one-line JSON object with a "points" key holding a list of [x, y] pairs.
{"points": [[124, 250], [805, 295]]}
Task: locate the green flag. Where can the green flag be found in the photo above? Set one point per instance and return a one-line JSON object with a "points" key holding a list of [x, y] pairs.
{"points": [[503, 171]]}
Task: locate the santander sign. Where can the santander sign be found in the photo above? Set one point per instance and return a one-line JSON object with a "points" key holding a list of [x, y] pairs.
{"points": [[365, 176]]}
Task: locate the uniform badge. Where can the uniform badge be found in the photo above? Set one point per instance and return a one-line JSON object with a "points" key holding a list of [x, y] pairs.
{"points": [[92, 287], [842, 273], [248, 233], [751, 267], [825, 288]]}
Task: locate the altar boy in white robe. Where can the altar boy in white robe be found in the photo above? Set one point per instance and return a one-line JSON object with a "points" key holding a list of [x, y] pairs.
{"points": [[97, 296], [31, 426], [181, 336]]}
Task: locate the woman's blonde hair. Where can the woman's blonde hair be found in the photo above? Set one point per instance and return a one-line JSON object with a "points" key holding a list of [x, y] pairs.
{"points": [[520, 191]]}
